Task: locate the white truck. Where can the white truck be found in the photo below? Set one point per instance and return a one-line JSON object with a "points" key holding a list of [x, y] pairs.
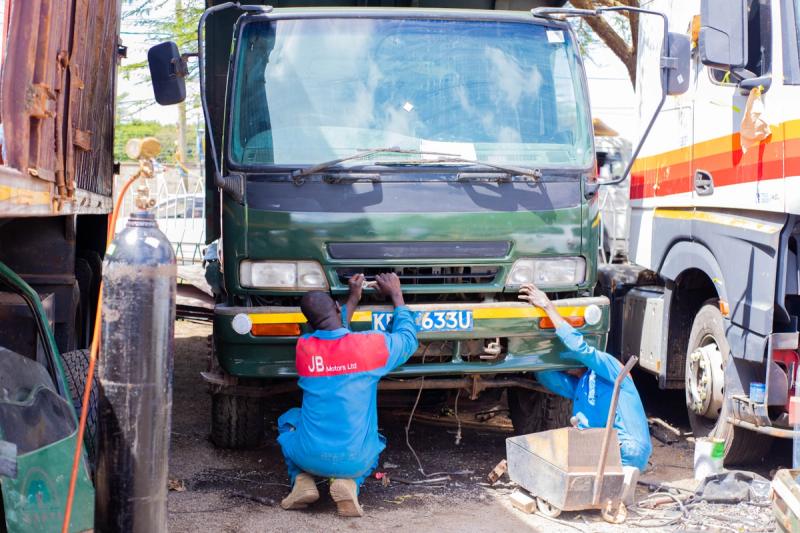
{"points": [[713, 300]]}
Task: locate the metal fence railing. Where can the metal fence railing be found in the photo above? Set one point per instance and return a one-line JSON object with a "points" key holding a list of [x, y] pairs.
{"points": [[179, 209]]}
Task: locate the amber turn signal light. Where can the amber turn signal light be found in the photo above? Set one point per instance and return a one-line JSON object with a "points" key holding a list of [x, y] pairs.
{"points": [[574, 321], [275, 330]]}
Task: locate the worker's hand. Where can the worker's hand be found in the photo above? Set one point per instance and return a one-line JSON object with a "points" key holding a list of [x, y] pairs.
{"points": [[534, 296], [389, 285], [356, 284]]}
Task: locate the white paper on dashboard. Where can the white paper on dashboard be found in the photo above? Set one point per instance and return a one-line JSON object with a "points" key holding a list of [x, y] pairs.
{"points": [[465, 150]]}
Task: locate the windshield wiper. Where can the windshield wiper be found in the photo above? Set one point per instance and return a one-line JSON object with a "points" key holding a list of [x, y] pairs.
{"points": [[319, 167], [532, 173], [499, 177], [507, 170], [351, 177]]}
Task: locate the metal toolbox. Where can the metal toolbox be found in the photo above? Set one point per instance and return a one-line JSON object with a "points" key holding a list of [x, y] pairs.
{"points": [[560, 466]]}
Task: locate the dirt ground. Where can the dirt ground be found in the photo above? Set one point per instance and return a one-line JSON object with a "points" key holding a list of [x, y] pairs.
{"points": [[237, 491]]}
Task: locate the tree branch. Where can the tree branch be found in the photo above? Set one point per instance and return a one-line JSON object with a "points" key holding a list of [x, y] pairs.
{"points": [[633, 21], [626, 53]]}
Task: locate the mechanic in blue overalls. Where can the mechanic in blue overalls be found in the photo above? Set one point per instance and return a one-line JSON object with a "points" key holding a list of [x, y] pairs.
{"points": [[335, 433], [590, 388]]}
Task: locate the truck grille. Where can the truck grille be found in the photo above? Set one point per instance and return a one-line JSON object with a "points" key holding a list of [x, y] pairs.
{"points": [[439, 275]]}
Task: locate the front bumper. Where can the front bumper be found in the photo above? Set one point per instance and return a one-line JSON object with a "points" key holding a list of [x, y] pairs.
{"points": [[529, 347]]}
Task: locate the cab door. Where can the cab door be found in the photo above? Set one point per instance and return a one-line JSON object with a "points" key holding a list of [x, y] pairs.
{"points": [[661, 182], [788, 42], [726, 172]]}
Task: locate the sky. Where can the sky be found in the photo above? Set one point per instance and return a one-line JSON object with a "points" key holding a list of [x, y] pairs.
{"points": [[134, 89], [610, 90]]}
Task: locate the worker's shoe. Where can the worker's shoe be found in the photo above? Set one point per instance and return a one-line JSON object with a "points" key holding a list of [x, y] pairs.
{"points": [[304, 492], [345, 493]]}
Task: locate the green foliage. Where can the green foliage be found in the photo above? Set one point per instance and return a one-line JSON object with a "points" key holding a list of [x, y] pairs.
{"points": [[158, 20], [180, 26], [166, 134]]}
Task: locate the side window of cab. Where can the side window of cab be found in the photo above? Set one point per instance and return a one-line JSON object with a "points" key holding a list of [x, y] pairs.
{"points": [[759, 44]]}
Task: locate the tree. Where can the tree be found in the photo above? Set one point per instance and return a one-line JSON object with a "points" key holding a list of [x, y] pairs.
{"points": [[173, 20], [620, 32], [167, 135]]}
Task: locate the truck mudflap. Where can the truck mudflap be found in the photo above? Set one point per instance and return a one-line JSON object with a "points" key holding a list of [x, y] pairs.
{"points": [[496, 337]]}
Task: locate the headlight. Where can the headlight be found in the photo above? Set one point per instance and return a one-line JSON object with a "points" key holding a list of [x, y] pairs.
{"points": [[548, 272], [284, 275]]}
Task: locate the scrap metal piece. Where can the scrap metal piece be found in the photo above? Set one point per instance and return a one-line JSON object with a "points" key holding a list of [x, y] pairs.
{"points": [[82, 139], [39, 100]]}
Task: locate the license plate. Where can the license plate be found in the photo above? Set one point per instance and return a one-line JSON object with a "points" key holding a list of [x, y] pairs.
{"points": [[444, 320]]}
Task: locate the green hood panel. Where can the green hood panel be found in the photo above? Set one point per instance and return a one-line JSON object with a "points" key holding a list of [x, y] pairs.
{"points": [[294, 235], [306, 235]]}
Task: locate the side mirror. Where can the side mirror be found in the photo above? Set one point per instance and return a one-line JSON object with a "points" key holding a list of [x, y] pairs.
{"points": [[679, 58], [167, 72], [722, 41]]}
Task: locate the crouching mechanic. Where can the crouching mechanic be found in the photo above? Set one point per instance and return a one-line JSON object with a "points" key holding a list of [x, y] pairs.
{"points": [[591, 388], [335, 433]]}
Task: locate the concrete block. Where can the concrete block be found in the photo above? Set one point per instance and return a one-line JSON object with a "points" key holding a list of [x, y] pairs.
{"points": [[523, 502]]}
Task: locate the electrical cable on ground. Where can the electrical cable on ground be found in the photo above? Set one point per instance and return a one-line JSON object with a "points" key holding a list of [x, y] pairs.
{"points": [[411, 417], [408, 427], [561, 522], [458, 420], [95, 348]]}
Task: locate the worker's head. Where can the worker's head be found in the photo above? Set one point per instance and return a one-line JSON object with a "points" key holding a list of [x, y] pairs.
{"points": [[577, 372], [321, 311]]}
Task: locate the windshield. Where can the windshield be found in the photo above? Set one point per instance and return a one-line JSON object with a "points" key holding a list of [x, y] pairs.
{"points": [[312, 90]]}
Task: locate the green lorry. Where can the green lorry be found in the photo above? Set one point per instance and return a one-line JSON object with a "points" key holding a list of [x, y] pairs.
{"points": [[453, 147]]}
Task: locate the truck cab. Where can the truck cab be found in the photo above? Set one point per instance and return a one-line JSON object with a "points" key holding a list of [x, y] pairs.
{"points": [[452, 147], [714, 221]]}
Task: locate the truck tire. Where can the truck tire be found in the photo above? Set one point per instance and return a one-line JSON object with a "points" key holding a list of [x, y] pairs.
{"points": [[76, 368], [533, 411], [707, 400], [237, 422]]}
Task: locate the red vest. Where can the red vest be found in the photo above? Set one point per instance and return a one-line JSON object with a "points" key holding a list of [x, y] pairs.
{"points": [[350, 354]]}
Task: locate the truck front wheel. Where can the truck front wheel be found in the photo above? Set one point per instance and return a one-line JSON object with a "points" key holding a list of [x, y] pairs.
{"points": [[533, 411], [707, 401], [237, 422]]}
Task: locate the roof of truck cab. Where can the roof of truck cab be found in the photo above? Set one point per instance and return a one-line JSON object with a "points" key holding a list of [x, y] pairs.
{"points": [[404, 12]]}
